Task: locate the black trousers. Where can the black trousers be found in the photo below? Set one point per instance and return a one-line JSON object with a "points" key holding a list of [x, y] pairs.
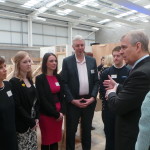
{"points": [[108, 118], [73, 115]]}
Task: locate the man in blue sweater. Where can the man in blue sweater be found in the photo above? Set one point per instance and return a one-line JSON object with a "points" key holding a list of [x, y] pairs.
{"points": [[119, 72]]}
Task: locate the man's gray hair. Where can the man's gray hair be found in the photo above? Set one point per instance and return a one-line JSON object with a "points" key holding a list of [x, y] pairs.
{"points": [[137, 36], [78, 37]]}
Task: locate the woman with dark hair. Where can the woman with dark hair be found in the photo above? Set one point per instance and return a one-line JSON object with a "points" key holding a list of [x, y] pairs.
{"points": [[8, 139], [26, 102], [49, 87]]}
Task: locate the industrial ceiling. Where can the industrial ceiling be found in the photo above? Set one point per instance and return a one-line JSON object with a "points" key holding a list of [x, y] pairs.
{"points": [[86, 14]]}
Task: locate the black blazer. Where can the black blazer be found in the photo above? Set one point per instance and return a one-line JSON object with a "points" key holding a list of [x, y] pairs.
{"points": [[47, 105], [23, 105], [71, 80], [127, 105]]}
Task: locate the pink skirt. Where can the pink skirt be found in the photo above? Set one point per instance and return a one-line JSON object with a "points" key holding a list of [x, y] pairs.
{"points": [[51, 130]]}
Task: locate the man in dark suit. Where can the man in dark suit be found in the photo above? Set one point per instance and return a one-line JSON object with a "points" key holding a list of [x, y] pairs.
{"points": [[80, 79], [128, 100]]}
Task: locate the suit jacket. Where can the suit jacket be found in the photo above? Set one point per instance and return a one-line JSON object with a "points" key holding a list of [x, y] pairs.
{"points": [[71, 79], [143, 140], [47, 105], [127, 105], [23, 105]]}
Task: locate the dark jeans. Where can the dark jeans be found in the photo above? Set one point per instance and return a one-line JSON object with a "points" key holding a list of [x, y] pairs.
{"points": [[73, 116]]}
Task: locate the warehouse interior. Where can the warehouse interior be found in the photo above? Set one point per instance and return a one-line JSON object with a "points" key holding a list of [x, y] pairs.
{"points": [[40, 26]]}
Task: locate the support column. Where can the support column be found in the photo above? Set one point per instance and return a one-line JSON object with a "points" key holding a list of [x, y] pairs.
{"points": [[30, 44], [69, 49]]}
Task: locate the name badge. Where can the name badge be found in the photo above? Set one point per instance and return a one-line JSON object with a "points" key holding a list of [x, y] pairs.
{"points": [[92, 71], [57, 84], [124, 77], [9, 93], [114, 76]]}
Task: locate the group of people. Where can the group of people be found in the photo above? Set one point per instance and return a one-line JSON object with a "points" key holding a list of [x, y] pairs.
{"points": [[24, 106]]}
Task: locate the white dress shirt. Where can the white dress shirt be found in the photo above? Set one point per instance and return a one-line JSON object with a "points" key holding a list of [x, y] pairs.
{"points": [[83, 77]]}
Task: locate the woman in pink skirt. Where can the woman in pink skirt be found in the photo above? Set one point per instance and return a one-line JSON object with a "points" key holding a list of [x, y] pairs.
{"points": [[49, 88]]}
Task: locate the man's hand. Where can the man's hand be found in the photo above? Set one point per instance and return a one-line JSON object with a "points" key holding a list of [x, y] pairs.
{"points": [[79, 103], [83, 103], [109, 84], [89, 101], [111, 90]]}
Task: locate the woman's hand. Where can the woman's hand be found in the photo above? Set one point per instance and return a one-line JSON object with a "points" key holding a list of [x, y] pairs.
{"points": [[60, 117], [36, 125]]}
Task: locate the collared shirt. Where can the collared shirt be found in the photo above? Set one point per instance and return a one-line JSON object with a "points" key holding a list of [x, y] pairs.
{"points": [[83, 77], [139, 60]]}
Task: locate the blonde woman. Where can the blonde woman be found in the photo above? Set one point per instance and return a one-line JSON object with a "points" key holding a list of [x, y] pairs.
{"points": [[26, 101]]}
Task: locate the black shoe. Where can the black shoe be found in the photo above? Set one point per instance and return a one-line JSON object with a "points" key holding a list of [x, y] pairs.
{"points": [[92, 128]]}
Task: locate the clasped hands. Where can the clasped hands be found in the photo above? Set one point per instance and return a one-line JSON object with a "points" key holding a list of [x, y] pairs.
{"points": [[83, 102], [111, 86]]}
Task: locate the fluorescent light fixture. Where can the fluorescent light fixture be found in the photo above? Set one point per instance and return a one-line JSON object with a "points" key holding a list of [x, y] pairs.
{"points": [[142, 15], [31, 3], [133, 18], [42, 9], [54, 2], [137, 18], [2, 1], [47, 6], [118, 25], [64, 12], [95, 28], [81, 4], [126, 14], [145, 20], [60, 12], [93, 4], [39, 18], [147, 6], [104, 21], [86, 2]]}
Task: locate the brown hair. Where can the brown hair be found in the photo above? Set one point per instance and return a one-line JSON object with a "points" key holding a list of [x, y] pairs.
{"points": [[2, 60], [44, 62], [17, 58], [116, 49]]}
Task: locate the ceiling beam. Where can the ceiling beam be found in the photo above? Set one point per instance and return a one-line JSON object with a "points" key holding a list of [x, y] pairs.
{"points": [[73, 20], [45, 7], [16, 16], [97, 14], [132, 6]]}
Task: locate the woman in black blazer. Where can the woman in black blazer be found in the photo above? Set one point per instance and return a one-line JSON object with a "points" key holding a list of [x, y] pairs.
{"points": [[26, 102], [49, 88], [8, 140]]}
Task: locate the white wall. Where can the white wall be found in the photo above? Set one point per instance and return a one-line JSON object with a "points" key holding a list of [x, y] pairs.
{"points": [[116, 31], [15, 32]]}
